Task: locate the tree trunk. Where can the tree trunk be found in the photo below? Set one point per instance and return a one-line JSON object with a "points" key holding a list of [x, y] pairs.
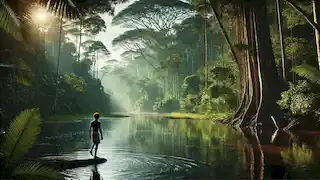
{"points": [[316, 17], [283, 54], [254, 156], [271, 82], [79, 48], [57, 67], [97, 70], [261, 85], [205, 52]]}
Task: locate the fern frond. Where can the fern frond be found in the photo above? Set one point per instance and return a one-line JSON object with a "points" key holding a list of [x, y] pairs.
{"points": [[20, 135], [312, 74], [34, 170]]}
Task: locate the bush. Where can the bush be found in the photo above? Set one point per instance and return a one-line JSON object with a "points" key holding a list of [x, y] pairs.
{"points": [[299, 99], [169, 104]]}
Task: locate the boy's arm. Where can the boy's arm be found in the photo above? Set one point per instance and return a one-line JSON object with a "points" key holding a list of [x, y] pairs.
{"points": [[100, 131]]}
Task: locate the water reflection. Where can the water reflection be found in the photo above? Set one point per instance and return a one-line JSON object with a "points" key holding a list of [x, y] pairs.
{"points": [[142, 147], [95, 173]]}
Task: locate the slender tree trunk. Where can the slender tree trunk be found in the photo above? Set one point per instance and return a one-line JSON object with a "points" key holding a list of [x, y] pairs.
{"points": [[283, 54], [316, 17], [192, 63], [57, 67], [97, 76], [80, 36], [205, 52]]}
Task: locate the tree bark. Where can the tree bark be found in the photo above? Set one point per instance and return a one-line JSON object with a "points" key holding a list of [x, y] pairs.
{"points": [[283, 54], [271, 84], [316, 17]]}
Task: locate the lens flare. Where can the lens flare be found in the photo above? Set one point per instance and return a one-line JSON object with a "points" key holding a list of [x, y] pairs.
{"points": [[40, 15]]}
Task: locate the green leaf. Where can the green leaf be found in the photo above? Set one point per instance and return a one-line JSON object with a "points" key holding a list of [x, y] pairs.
{"points": [[65, 8], [20, 135], [312, 74], [9, 21], [34, 170]]}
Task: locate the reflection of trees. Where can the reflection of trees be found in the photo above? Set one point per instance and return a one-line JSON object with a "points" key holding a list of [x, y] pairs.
{"points": [[200, 140], [254, 155], [297, 155]]}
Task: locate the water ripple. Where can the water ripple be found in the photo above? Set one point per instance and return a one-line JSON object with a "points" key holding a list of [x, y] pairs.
{"points": [[124, 163]]}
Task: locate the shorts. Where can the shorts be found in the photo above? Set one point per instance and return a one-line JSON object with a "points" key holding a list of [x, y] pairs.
{"points": [[95, 137]]}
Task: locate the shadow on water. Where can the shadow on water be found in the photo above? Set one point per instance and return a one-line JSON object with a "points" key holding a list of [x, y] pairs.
{"points": [[141, 147]]}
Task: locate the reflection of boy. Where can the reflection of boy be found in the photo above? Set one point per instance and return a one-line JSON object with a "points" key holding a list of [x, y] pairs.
{"points": [[95, 174]]}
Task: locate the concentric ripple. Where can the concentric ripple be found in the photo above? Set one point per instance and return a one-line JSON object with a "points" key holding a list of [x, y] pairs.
{"points": [[126, 164]]}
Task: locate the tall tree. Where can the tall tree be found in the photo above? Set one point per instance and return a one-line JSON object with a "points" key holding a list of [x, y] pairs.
{"points": [[94, 49], [316, 17], [280, 22], [260, 81]]}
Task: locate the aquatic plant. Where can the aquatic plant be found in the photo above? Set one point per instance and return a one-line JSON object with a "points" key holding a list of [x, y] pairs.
{"points": [[19, 137], [297, 155]]}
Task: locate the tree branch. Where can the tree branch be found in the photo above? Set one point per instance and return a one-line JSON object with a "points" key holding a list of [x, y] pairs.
{"points": [[224, 32], [304, 14]]}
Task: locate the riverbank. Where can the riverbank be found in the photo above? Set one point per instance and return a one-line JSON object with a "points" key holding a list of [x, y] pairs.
{"points": [[73, 117], [211, 116], [174, 115]]}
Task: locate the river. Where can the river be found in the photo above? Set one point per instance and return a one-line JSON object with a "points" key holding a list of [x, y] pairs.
{"points": [[144, 147]]}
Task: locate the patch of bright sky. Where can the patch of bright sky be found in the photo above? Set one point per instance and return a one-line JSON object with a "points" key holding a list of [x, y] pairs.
{"points": [[111, 33]]}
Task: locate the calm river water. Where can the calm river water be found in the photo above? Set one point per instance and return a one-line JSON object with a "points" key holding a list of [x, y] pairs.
{"points": [[142, 147]]}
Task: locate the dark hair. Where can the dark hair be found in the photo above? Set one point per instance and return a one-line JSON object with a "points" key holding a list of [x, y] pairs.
{"points": [[96, 115]]}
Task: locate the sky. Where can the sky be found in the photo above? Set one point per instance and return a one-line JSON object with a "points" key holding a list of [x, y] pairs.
{"points": [[111, 33]]}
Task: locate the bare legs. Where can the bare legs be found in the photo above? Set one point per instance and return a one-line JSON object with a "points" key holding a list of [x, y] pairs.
{"points": [[96, 149], [91, 149], [95, 153]]}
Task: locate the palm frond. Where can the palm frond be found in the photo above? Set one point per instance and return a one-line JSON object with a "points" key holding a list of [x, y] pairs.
{"points": [[20, 135], [23, 73], [312, 74], [65, 8], [19, 72], [34, 170], [9, 21]]}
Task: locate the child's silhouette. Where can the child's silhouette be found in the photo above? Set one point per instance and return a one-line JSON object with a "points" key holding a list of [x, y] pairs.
{"points": [[95, 128]]}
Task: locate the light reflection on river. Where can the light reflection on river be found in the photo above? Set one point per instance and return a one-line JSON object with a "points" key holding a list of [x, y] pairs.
{"points": [[149, 148], [144, 147]]}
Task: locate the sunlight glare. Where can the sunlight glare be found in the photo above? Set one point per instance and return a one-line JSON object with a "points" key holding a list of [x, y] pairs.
{"points": [[40, 15]]}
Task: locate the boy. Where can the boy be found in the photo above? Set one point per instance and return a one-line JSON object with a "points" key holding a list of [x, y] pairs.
{"points": [[95, 128]]}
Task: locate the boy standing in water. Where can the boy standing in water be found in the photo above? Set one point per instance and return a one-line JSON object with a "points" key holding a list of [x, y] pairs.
{"points": [[95, 128]]}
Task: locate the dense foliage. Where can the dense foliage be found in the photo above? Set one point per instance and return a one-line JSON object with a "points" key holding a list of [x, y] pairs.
{"points": [[49, 71]]}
